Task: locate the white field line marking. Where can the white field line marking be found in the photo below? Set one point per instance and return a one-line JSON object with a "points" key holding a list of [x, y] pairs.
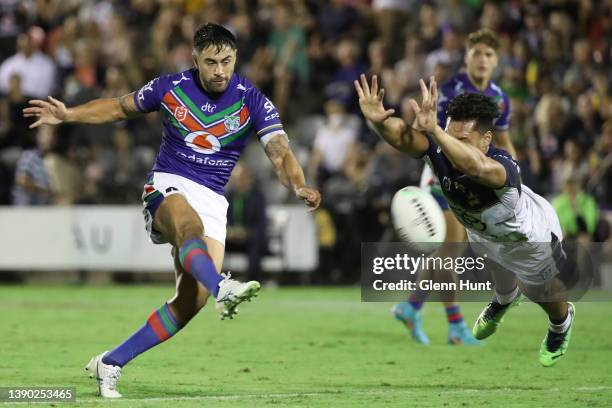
{"points": [[386, 391]]}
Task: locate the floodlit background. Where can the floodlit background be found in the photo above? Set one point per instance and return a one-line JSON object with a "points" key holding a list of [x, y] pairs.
{"points": [[74, 218]]}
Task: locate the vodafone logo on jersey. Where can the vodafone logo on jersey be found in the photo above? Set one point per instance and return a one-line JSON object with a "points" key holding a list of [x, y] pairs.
{"points": [[180, 113], [203, 142]]}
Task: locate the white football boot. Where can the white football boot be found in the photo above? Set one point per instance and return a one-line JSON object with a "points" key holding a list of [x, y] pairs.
{"points": [[106, 375], [232, 293]]}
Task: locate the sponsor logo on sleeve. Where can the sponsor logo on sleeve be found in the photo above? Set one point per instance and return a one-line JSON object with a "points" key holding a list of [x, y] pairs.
{"points": [[148, 87], [181, 79], [268, 106], [272, 116]]}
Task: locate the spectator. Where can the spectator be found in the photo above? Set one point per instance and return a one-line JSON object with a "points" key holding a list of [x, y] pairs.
{"points": [[32, 179], [336, 21], [584, 126], [116, 171], [14, 128], [66, 175], [581, 69], [600, 181], [571, 165], [450, 55], [429, 28], [287, 43], [36, 70], [389, 16], [341, 84], [577, 211], [333, 141]]}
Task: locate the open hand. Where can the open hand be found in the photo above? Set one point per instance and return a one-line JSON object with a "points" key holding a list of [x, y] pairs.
{"points": [[371, 100], [427, 113], [52, 112]]}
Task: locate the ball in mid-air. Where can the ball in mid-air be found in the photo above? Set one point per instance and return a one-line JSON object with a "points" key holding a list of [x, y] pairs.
{"points": [[418, 219]]}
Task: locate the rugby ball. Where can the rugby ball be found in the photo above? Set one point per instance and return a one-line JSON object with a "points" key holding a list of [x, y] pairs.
{"points": [[418, 219]]}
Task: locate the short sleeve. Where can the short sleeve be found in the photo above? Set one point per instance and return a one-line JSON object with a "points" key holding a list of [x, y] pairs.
{"points": [[503, 122], [264, 116], [433, 150], [513, 172], [149, 97]]}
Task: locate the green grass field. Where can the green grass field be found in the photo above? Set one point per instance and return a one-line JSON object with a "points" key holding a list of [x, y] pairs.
{"points": [[297, 347]]}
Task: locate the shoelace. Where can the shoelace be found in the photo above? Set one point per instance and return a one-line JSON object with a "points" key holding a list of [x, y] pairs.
{"points": [[227, 275], [492, 309], [112, 378]]}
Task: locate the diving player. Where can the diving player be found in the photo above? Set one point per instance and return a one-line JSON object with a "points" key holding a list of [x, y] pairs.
{"points": [[209, 113], [517, 229], [481, 61]]}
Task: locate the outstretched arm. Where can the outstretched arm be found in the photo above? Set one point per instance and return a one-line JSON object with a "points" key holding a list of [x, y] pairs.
{"points": [[289, 171], [463, 156], [54, 112], [393, 130]]}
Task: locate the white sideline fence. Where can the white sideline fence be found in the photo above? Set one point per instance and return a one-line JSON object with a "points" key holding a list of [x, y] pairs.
{"points": [[113, 238]]}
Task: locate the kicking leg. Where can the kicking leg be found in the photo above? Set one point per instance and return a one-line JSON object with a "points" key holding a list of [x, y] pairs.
{"points": [[179, 224], [200, 257], [190, 296]]}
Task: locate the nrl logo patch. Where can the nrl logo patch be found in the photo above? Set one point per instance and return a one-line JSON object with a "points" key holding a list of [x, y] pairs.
{"points": [[180, 113], [231, 123]]}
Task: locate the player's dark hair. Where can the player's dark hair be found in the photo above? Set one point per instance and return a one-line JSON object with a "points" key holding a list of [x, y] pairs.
{"points": [[211, 34], [485, 36], [474, 106]]}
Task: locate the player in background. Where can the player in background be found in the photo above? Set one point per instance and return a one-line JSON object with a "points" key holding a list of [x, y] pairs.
{"points": [[481, 61], [209, 112], [517, 229]]}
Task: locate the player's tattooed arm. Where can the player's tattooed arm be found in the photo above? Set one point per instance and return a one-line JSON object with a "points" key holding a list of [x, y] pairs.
{"points": [[128, 106], [289, 171], [54, 112]]}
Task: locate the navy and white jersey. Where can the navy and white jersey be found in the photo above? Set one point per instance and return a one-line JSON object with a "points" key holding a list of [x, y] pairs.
{"points": [[506, 214], [455, 86]]}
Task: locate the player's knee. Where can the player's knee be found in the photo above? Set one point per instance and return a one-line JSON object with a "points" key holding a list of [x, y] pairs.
{"points": [[186, 310], [187, 228]]}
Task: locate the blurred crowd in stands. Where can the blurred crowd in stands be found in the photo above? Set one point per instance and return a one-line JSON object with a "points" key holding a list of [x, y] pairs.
{"points": [[554, 62]]}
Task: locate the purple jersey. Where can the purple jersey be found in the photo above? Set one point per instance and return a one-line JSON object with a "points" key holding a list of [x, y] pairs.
{"points": [[461, 83], [204, 134]]}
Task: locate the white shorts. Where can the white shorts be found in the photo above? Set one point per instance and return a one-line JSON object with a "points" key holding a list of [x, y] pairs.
{"points": [[535, 261], [210, 206]]}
